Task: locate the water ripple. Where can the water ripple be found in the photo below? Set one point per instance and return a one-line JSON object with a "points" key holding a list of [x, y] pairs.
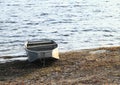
{"points": [[72, 24]]}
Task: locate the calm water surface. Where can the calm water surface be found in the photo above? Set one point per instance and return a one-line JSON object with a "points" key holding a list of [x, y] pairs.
{"points": [[73, 24]]}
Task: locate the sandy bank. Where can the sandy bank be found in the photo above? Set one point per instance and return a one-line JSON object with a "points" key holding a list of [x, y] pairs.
{"points": [[92, 66]]}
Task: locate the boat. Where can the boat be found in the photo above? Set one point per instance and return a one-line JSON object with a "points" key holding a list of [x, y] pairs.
{"points": [[41, 49]]}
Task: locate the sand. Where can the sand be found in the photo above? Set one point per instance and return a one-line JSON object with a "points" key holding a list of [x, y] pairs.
{"points": [[100, 66]]}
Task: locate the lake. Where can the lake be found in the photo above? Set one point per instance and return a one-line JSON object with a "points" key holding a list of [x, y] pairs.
{"points": [[73, 24]]}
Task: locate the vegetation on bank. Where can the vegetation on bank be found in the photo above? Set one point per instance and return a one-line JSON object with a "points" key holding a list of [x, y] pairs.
{"points": [[91, 66]]}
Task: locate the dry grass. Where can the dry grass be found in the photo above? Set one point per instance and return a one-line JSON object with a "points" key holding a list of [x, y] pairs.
{"points": [[85, 67]]}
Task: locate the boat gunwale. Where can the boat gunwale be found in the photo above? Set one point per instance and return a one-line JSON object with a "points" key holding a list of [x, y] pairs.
{"points": [[27, 48], [42, 45]]}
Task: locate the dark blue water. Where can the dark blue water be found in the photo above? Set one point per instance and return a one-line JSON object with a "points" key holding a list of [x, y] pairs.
{"points": [[73, 24]]}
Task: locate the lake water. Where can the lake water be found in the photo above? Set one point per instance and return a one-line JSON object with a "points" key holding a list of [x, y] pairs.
{"points": [[73, 24]]}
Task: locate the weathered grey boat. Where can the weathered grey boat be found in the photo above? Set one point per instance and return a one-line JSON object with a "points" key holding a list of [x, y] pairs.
{"points": [[43, 48]]}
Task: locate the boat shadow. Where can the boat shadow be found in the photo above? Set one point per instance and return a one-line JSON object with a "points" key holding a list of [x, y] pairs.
{"points": [[14, 69]]}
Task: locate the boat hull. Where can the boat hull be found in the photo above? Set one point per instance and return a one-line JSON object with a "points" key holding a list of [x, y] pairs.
{"points": [[41, 51]]}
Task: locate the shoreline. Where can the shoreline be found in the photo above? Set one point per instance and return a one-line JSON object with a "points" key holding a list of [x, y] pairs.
{"points": [[87, 66]]}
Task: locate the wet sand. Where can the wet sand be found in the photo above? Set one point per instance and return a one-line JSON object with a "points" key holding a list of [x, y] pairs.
{"points": [[100, 66]]}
